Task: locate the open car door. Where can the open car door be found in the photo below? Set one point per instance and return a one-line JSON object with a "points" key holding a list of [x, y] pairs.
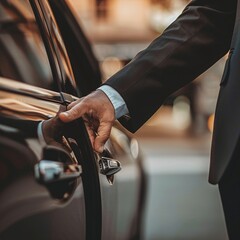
{"points": [[49, 176]]}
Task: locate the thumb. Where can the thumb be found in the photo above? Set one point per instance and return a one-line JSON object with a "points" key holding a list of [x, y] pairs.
{"points": [[75, 112]]}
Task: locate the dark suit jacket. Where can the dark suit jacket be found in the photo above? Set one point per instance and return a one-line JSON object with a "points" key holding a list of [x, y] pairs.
{"points": [[198, 38]]}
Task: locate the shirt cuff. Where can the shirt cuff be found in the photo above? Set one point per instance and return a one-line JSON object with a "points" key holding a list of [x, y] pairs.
{"points": [[40, 135], [116, 99]]}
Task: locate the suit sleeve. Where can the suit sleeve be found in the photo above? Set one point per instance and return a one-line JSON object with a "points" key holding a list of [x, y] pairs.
{"points": [[189, 46]]}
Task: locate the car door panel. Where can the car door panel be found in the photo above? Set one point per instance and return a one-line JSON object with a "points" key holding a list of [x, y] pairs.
{"points": [[29, 209]]}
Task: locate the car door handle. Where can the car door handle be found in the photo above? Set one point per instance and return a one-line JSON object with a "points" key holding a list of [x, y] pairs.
{"points": [[57, 165], [51, 171], [108, 166], [58, 171]]}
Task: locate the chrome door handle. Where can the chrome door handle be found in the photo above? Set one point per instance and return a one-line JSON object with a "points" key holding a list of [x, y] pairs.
{"points": [[50, 171], [109, 166]]}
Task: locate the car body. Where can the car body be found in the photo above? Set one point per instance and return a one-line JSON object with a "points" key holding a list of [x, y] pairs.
{"points": [[50, 181]]}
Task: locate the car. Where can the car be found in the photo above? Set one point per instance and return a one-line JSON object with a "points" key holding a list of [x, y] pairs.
{"points": [[52, 184]]}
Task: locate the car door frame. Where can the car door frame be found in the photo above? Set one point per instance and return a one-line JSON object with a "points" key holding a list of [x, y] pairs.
{"points": [[90, 177]]}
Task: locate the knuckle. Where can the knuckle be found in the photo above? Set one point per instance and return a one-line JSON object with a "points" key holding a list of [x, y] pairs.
{"points": [[73, 112]]}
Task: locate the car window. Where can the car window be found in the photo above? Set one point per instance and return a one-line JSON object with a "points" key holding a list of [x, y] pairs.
{"points": [[22, 53], [57, 54], [15, 10], [28, 54], [84, 64]]}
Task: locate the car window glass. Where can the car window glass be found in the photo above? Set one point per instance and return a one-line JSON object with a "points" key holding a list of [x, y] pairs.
{"points": [[59, 42], [20, 8], [56, 51], [84, 64], [22, 53]]}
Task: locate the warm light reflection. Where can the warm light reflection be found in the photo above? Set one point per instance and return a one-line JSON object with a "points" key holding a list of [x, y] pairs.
{"points": [[211, 123], [24, 101]]}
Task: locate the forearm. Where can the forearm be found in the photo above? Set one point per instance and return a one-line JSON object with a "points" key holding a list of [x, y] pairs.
{"points": [[190, 45]]}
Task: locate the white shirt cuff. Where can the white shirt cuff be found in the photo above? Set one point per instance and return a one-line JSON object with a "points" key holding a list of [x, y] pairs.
{"points": [[40, 135], [116, 99]]}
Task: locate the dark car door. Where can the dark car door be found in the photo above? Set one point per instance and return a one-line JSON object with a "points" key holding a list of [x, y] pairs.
{"points": [[49, 210], [63, 72], [41, 188]]}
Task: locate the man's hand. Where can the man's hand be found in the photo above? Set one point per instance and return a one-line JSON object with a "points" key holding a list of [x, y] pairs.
{"points": [[98, 113]]}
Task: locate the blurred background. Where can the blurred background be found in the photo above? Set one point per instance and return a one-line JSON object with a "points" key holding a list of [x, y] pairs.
{"points": [[181, 204]]}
